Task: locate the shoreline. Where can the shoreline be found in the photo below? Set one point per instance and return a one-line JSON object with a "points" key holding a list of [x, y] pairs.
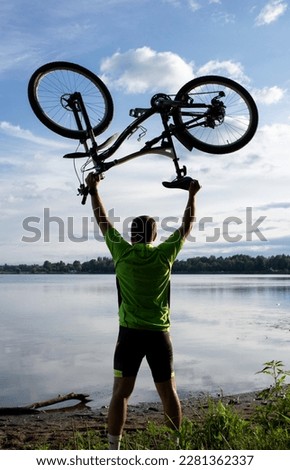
{"points": [[55, 427]]}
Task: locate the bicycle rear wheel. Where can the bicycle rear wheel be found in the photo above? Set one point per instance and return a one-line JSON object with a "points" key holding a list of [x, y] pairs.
{"points": [[52, 82], [198, 127]]}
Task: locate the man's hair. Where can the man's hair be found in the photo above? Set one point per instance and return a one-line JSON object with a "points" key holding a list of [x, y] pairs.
{"points": [[143, 229]]}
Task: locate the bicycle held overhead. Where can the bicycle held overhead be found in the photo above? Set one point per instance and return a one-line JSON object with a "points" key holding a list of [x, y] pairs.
{"points": [[212, 114]]}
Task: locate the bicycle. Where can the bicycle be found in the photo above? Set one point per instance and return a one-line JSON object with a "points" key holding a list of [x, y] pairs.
{"points": [[213, 114]]}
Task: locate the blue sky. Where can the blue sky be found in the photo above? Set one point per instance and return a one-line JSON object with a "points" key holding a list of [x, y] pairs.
{"points": [[139, 48]]}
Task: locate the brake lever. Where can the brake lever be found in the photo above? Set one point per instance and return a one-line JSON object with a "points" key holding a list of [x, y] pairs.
{"points": [[83, 191]]}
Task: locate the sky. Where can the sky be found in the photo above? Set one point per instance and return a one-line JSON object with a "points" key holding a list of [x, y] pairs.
{"points": [[139, 48]]}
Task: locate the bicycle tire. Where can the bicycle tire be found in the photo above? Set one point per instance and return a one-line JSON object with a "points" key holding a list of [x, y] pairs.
{"points": [[53, 80], [240, 121]]}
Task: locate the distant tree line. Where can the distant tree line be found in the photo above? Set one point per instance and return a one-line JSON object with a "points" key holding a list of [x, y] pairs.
{"points": [[237, 264]]}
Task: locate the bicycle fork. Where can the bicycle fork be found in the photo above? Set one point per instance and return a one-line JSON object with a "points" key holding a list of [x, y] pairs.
{"points": [[75, 103], [180, 172]]}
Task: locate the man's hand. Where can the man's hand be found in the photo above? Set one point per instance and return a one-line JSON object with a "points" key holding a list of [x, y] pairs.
{"points": [[92, 181], [194, 187]]}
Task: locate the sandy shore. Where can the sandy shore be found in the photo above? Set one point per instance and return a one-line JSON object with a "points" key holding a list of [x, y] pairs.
{"points": [[57, 427]]}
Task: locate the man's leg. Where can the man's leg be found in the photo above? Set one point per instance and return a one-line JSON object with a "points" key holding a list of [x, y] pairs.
{"points": [[122, 389], [160, 360], [171, 404]]}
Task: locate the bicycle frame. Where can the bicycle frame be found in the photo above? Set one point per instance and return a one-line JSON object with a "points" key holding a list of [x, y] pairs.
{"points": [[167, 149], [161, 105]]}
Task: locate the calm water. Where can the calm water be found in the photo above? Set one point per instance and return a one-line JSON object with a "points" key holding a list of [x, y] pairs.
{"points": [[59, 332]]}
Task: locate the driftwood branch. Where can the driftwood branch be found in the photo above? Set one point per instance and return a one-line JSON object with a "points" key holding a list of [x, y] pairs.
{"points": [[34, 407], [59, 399]]}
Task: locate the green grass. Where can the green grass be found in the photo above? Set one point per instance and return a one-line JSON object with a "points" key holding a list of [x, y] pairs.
{"points": [[218, 427]]}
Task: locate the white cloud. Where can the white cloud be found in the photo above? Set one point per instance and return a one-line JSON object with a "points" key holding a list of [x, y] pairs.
{"points": [[268, 95], [194, 5], [143, 69], [16, 131], [16, 52], [271, 12], [223, 17], [225, 67]]}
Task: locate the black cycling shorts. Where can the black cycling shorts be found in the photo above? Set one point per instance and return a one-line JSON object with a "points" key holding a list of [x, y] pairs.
{"points": [[133, 345]]}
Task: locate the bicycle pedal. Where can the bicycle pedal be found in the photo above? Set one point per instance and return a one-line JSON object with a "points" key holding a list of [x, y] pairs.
{"points": [[180, 183]]}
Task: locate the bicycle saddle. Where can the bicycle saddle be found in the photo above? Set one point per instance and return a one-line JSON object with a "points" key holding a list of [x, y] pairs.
{"points": [[180, 183]]}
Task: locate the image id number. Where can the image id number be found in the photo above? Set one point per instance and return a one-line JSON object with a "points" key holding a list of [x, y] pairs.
{"points": [[196, 460]]}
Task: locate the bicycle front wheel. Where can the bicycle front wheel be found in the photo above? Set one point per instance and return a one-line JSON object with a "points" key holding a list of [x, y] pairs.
{"points": [[216, 115], [48, 89]]}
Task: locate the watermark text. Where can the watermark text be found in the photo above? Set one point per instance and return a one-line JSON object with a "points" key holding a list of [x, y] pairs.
{"points": [[232, 229]]}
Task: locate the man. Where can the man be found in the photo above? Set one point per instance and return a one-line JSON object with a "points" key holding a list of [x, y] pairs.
{"points": [[143, 278]]}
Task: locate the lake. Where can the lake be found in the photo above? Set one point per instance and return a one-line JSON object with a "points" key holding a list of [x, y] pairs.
{"points": [[58, 334]]}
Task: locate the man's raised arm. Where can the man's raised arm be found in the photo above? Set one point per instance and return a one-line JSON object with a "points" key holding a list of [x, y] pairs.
{"points": [[189, 212], [92, 181]]}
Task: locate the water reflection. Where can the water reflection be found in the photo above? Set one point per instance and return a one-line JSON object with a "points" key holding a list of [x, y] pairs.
{"points": [[58, 334]]}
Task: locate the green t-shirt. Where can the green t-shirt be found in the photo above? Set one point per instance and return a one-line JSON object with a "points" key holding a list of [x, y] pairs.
{"points": [[143, 272]]}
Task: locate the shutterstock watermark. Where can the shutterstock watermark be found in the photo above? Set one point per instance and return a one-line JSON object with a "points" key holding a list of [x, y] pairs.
{"points": [[232, 229]]}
